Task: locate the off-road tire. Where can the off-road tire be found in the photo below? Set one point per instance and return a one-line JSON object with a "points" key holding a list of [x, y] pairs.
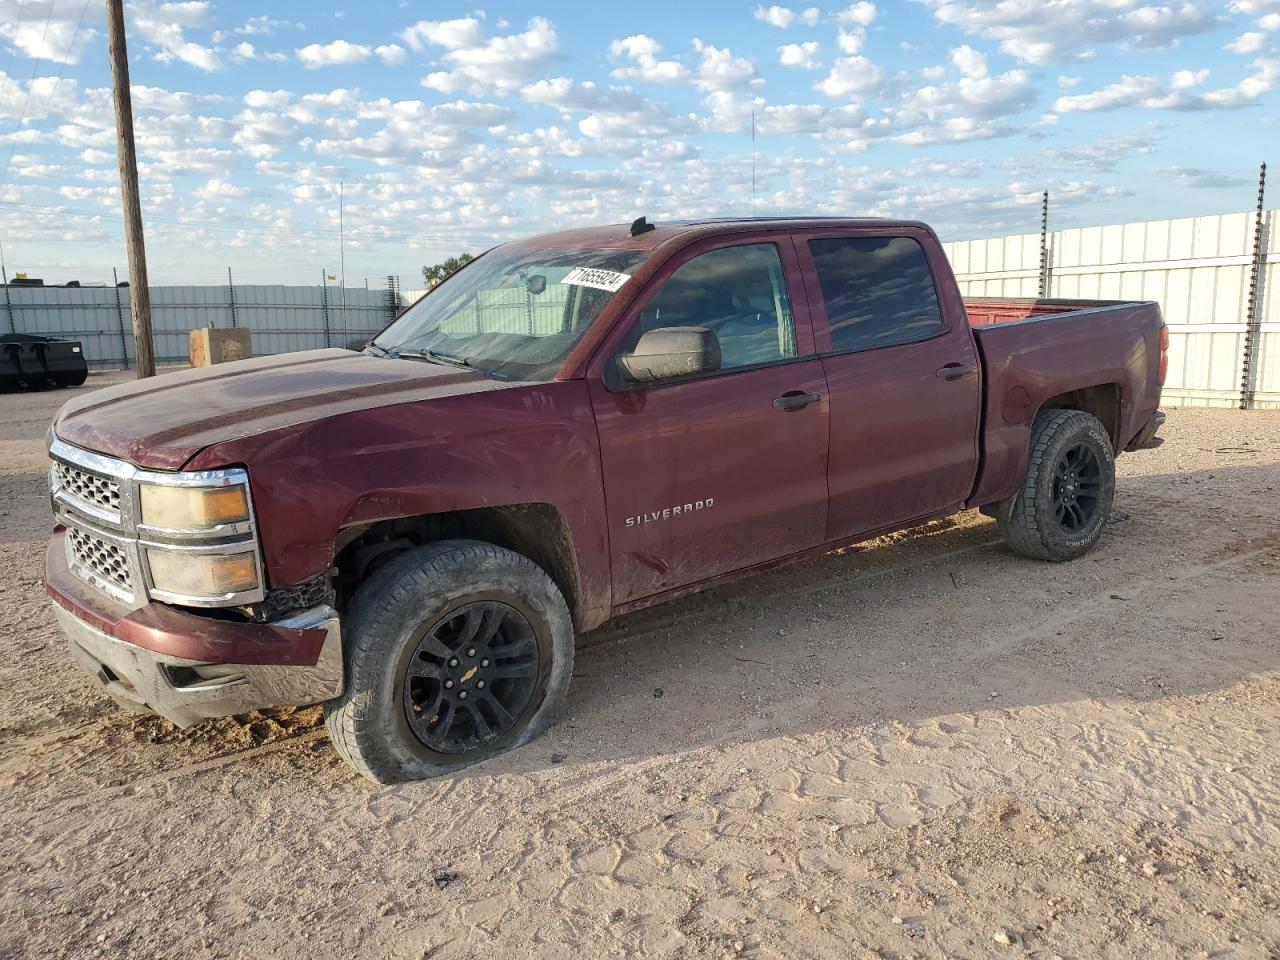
{"points": [[1027, 520], [367, 723]]}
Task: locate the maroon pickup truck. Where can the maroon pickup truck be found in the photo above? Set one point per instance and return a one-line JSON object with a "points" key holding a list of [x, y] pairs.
{"points": [[572, 427]]}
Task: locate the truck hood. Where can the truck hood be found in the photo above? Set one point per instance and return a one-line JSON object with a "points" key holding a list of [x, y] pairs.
{"points": [[164, 421]]}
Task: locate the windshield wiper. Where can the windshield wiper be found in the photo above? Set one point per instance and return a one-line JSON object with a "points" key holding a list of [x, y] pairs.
{"points": [[432, 356], [378, 351]]}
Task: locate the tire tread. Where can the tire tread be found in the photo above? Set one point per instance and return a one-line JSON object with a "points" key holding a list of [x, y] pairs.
{"points": [[1016, 516], [364, 644]]}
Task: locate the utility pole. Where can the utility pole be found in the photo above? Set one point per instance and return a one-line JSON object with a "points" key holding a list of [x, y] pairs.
{"points": [[139, 292]]}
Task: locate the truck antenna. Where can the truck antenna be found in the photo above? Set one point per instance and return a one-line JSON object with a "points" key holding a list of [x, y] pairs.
{"points": [[640, 225]]}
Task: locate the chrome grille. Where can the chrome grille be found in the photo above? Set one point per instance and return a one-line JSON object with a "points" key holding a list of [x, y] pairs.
{"points": [[97, 499], [88, 487], [105, 559]]}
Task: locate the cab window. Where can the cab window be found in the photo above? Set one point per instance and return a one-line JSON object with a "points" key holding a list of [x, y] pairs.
{"points": [[878, 291], [739, 293]]}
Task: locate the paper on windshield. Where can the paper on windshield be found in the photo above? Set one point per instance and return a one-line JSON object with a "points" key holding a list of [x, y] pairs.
{"points": [[593, 277]]}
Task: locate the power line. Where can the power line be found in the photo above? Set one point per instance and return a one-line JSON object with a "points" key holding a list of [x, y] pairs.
{"points": [[4, 176], [48, 104], [13, 50]]}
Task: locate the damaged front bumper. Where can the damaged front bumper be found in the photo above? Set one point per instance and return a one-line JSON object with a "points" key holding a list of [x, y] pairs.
{"points": [[188, 667]]}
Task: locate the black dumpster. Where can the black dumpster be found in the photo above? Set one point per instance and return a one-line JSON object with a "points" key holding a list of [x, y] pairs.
{"points": [[37, 362]]}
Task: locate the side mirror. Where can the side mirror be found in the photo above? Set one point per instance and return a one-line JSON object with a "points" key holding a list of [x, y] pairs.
{"points": [[671, 352]]}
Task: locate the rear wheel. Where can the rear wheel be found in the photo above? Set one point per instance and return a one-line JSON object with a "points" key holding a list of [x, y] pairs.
{"points": [[455, 652], [1062, 508]]}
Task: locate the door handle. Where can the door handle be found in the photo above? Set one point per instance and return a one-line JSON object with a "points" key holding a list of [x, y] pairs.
{"points": [[795, 400], [954, 371]]}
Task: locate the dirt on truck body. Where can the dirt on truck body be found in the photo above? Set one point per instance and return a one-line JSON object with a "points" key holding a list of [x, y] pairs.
{"points": [[570, 428]]}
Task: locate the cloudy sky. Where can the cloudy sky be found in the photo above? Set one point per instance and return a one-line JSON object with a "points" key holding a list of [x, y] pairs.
{"points": [[457, 126]]}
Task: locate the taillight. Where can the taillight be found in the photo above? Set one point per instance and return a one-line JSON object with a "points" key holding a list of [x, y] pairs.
{"points": [[1164, 355]]}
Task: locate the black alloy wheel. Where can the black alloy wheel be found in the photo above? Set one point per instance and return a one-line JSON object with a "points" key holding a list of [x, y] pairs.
{"points": [[471, 676], [1077, 482]]}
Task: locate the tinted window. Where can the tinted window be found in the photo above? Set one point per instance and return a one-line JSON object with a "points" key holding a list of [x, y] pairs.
{"points": [[878, 291], [739, 293]]}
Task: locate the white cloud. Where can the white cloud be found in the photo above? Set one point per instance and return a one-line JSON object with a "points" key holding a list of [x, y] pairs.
{"points": [[49, 36], [164, 25], [851, 77], [480, 63], [806, 55], [1181, 91], [219, 188], [643, 51], [720, 70], [860, 14], [264, 26], [450, 34], [1040, 31], [783, 17], [390, 54], [173, 102], [337, 53], [1247, 43], [243, 52], [267, 99]]}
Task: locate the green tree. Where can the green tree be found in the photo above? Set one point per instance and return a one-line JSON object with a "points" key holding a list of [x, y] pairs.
{"points": [[439, 271]]}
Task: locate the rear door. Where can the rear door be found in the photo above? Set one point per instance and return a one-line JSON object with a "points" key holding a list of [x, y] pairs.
{"points": [[903, 372], [718, 472]]}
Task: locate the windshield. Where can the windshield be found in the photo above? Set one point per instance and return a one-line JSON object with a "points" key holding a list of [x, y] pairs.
{"points": [[515, 312]]}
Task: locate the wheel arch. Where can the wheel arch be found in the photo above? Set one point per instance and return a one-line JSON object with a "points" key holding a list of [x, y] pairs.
{"points": [[1101, 400], [538, 531]]}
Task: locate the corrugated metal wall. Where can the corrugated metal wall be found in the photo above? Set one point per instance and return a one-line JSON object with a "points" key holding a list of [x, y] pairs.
{"points": [[282, 318], [1197, 269]]}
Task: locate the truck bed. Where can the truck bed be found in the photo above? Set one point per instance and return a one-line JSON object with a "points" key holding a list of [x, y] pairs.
{"points": [[1034, 351], [984, 311]]}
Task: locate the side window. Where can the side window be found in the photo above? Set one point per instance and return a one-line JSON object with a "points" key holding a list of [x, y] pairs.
{"points": [[878, 291], [739, 293]]}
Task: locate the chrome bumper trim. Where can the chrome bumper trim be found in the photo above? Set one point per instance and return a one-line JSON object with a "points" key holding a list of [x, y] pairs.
{"points": [[142, 680]]}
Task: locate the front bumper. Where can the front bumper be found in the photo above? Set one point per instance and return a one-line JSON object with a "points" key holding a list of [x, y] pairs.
{"points": [[187, 667]]}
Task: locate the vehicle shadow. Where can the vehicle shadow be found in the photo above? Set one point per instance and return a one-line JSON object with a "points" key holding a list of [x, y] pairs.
{"points": [[941, 620]]}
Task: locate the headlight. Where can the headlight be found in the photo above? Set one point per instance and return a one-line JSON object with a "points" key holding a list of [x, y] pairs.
{"points": [[193, 508], [203, 575]]}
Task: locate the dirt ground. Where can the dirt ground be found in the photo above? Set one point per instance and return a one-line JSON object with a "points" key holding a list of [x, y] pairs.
{"points": [[922, 747]]}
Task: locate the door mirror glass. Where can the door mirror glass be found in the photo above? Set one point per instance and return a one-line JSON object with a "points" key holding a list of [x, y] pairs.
{"points": [[671, 352]]}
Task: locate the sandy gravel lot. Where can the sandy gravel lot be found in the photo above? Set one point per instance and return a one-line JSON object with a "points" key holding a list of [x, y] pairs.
{"points": [[923, 747]]}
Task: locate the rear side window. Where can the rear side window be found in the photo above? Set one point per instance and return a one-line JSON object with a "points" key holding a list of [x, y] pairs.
{"points": [[878, 291]]}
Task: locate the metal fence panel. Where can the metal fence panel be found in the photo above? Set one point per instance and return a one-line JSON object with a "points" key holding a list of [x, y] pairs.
{"points": [[282, 319], [1197, 269]]}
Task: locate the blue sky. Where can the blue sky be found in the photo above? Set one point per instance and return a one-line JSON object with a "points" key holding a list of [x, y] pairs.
{"points": [[453, 127]]}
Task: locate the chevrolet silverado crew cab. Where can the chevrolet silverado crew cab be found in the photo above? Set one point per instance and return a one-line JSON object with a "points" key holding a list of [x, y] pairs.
{"points": [[571, 427]]}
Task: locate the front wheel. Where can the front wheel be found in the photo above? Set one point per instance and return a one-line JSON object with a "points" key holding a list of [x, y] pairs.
{"points": [[1065, 500], [455, 652]]}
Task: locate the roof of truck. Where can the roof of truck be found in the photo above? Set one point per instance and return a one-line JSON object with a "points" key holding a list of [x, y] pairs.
{"points": [[618, 235]]}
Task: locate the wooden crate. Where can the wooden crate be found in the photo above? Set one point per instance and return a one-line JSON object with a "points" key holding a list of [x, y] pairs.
{"points": [[211, 345]]}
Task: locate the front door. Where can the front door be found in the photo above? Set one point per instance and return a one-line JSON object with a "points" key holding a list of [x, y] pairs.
{"points": [[722, 471]]}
